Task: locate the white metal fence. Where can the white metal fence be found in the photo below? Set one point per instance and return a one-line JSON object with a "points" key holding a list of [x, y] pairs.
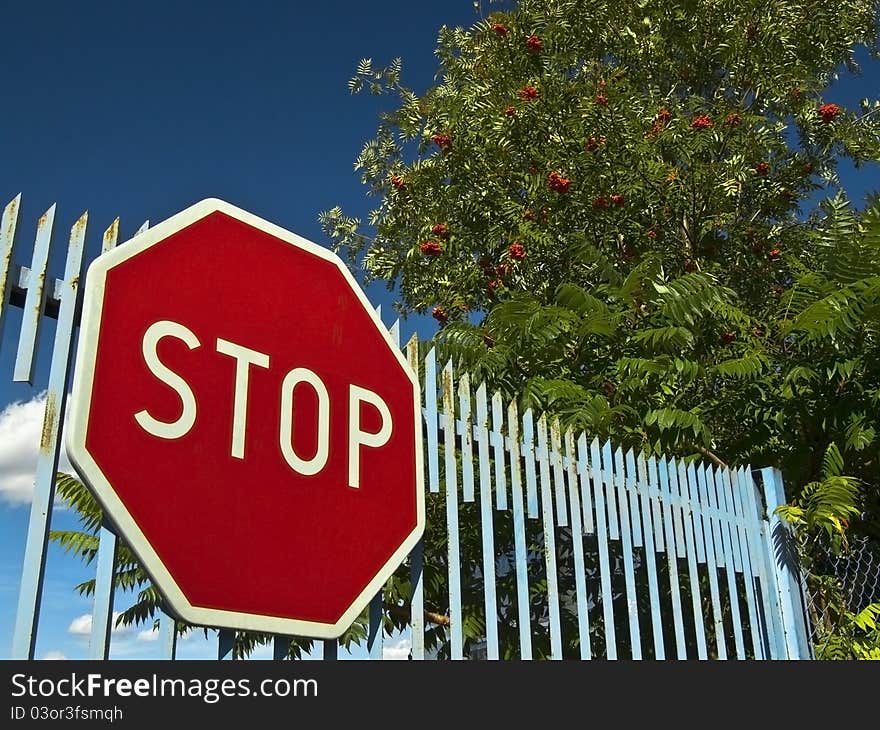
{"points": [[549, 543]]}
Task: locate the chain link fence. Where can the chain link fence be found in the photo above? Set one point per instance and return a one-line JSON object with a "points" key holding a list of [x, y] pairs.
{"points": [[839, 582]]}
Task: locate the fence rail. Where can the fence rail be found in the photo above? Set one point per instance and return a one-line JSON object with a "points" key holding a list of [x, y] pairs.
{"points": [[554, 544]]}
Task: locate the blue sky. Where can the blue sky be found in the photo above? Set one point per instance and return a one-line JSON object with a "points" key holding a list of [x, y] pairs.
{"points": [[140, 111]]}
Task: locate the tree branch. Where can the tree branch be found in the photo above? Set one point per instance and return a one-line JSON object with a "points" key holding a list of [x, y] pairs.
{"points": [[710, 456]]}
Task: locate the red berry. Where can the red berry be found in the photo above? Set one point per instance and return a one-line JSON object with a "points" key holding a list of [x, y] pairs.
{"points": [[502, 270], [660, 122], [593, 143], [778, 291], [516, 251], [443, 141], [528, 93], [600, 203], [510, 111], [652, 233], [601, 100], [493, 286], [534, 43], [618, 200], [558, 183], [500, 29], [439, 314], [440, 230], [774, 254], [828, 112], [702, 122], [431, 248], [398, 182], [762, 168], [728, 337]]}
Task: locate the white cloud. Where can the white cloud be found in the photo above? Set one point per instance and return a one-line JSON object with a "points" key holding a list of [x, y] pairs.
{"points": [[82, 626], [398, 650], [148, 635], [21, 425], [54, 654]]}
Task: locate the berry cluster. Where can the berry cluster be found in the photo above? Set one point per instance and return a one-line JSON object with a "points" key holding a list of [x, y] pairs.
{"points": [[431, 248], [558, 183], [828, 112]]}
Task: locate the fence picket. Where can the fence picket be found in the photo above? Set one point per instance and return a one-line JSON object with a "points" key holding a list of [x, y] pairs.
{"points": [[610, 499], [757, 546], [597, 471], [730, 564], [748, 568], [456, 639], [558, 481], [105, 562], [35, 299], [583, 470], [8, 224], [417, 555], [673, 538], [632, 602], [679, 481], [577, 538], [650, 558], [633, 497], [168, 638], [31, 587], [549, 541], [431, 421], [656, 505], [465, 430], [487, 526], [698, 488], [523, 619], [528, 451], [496, 438], [689, 488]]}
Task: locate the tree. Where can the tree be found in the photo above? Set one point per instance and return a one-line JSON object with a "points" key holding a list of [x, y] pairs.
{"points": [[608, 209]]}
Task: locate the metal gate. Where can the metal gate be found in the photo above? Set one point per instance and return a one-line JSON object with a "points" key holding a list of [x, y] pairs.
{"points": [[556, 545]]}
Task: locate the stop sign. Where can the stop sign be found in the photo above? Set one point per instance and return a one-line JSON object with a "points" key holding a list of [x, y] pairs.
{"points": [[247, 423]]}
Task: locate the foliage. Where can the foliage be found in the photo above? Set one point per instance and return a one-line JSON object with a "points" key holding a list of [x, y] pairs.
{"points": [[619, 203]]}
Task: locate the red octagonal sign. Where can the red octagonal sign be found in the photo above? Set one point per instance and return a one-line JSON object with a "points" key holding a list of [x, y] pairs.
{"points": [[247, 423]]}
